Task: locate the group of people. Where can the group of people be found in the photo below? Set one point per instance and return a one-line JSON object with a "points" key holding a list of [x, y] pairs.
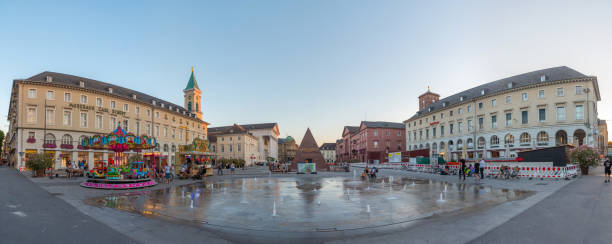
{"points": [[72, 168], [367, 172], [476, 170], [232, 168]]}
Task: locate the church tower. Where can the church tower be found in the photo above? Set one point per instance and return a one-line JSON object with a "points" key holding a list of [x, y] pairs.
{"points": [[193, 96]]}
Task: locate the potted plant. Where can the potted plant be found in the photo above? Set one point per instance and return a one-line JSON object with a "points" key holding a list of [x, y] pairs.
{"points": [[585, 157], [38, 163]]}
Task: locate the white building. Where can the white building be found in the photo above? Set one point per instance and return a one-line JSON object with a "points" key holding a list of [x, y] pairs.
{"points": [[538, 109], [267, 135], [328, 150]]}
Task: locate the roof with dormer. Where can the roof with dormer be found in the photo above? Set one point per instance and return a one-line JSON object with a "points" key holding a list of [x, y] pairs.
{"points": [[103, 87], [527, 79]]}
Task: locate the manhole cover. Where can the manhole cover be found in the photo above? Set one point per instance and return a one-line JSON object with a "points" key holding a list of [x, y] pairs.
{"points": [[541, 184], [56, 193]]}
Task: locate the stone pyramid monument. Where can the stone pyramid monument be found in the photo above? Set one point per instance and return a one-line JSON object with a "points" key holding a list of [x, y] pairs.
{"points": [[309, 152]]}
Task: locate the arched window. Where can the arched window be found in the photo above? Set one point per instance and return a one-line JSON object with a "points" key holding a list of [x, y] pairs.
{"points": [[434, 148], [165, 147], [542, 138], [509, 139], [67, 139], [525, 138], [197, 107], [49, 138], [173, 148], [470, 143], [189, 106], [494, 141], [481, 142], [459, 144]]}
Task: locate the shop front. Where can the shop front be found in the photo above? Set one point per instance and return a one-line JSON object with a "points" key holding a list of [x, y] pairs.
{"points": [[194, 159]]}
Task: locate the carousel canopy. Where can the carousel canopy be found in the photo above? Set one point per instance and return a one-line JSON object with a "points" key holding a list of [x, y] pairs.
{"points": [[119, 141]]}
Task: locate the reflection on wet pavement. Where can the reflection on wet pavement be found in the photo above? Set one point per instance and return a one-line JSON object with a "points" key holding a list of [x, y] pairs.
{"points": [[308, 203]]}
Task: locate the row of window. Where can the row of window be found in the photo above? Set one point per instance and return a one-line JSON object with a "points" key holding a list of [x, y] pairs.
{"points": [[542, 139], [99, 103], [560, 116], [31, 113], [388, 144], [230, 148], [524, 97]]}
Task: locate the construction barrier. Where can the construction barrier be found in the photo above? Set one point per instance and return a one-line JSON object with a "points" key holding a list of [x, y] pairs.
{"points": [[530, 170]]}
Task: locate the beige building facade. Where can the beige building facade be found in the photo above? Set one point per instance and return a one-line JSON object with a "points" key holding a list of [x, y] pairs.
{"points": [[235, 142], [51, 112], [538, 109]]}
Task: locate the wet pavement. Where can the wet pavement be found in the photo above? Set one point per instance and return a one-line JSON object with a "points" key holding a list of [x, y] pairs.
{"points": [[308, 204]]}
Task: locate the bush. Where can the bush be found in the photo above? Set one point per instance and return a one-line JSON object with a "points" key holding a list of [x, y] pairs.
{"points": [[39, 162], [584, 156]]}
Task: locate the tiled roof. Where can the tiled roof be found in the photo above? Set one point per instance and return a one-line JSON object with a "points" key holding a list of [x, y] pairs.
{"points": [[383, 124], [74, 81], [247, 127], [526, 79], [328, 146], [352, 129]]}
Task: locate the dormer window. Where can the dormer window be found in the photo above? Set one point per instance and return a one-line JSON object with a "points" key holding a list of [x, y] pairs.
{"points": [[429, 109], [153, 102], [81, 83], [510, 85], [133, 96], [162, 105], [461, 98], [444, 104], [482, 92], [543, 78], [170, 107], [110, 90], [49, 78]]}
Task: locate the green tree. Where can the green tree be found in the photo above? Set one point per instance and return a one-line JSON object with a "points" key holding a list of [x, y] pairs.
{"points": [[1, 140], [39, 162]]}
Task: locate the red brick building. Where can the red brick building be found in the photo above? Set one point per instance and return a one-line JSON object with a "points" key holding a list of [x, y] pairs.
{"points": [[371, 141]]}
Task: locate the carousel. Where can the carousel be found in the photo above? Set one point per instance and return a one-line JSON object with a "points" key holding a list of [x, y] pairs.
{"points": [[117, 173]]}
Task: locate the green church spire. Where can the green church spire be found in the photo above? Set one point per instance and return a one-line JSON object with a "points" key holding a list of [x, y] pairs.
{"points": [[192, 82]]}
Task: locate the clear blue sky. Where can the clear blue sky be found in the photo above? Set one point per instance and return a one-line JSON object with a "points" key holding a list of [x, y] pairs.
{"points": [[318, 64]]}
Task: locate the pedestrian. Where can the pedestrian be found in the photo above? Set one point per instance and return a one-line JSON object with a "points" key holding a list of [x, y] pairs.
{"points": [[462, 171], [232, 168], [167, 173], [220, 169], [607, 165], [482, 167]]}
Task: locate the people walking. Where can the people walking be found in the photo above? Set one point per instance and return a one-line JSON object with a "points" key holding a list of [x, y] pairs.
{"points": [[607, 165], [462, 171], [477, 170], [232, 168]]}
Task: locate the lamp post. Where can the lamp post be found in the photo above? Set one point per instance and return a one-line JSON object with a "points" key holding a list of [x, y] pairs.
{"points": [[587, 120]]}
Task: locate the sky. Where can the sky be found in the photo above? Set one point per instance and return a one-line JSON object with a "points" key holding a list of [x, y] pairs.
{"points": [[303, 64]]}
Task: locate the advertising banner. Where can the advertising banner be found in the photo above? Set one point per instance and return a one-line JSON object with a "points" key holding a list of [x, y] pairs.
{"points": [[307, 168], [395, 157]]}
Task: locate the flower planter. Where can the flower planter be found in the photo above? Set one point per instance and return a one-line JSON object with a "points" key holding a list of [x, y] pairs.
{"points": [[80, 147], [49, 146], [31, 140], [66, 146]]}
